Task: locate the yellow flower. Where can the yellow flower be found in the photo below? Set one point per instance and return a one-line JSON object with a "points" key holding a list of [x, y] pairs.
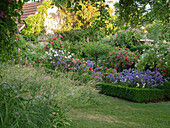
{"points": [[164, 41]]}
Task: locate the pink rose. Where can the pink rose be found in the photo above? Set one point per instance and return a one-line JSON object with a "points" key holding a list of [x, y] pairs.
{"points": [[60, 36], [54, 38]]}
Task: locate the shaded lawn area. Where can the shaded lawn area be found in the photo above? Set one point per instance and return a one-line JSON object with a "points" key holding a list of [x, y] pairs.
{"points": [[116, 113]]}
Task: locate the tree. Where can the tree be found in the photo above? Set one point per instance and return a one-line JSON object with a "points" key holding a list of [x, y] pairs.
{"points": [[136, 12]]}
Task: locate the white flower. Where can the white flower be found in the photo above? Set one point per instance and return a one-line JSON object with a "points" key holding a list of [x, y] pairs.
{"points": [[69, 56], [137, 85], [143, 50], [137, 76], [143, 85], [142, 27], [55, 54]]}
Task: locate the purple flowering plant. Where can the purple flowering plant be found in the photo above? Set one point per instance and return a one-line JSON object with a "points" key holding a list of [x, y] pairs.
{"points": [[136, 78]]}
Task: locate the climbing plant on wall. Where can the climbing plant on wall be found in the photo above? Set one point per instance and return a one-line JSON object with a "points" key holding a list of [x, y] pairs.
{"points": [[35, 22]]}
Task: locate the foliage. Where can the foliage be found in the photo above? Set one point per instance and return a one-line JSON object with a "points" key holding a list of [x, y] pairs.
{"points": [[129, 38], [96, 50], [156, 57], [121, 59], [84, 78], [10, 11], [32, 38], [166, 88], [158, 31], [135, 12], [32, 111], [132, 94], [82, 18], [80, 35], [101, 20], [35, 23]]}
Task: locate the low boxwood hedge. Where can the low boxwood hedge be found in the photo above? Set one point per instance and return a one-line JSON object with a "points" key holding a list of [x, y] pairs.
{"points": [[166, 89], [132, 94]]}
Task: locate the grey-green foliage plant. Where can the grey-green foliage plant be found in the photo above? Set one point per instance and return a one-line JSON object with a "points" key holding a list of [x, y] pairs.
{"points": [[96, 50]]}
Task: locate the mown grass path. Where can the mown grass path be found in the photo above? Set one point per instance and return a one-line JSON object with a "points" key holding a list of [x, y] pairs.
{"points": [[116, 113]]}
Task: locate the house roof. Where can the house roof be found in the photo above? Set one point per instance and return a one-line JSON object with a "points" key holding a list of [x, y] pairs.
{"points": [[28, 9]]}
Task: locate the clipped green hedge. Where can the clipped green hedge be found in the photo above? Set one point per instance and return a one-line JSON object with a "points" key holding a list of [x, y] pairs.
{"points": [[132, 94], [166, 89]]}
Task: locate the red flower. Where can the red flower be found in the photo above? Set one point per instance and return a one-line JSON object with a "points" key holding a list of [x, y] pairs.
{"points": [[116, 68], [90, 68], [105, 74], [58, 47], [105, 68], [93, 69], [62, 46], [38, 60], [163, 70], [107, 80], [159, 69], [44, 47], [102, 76]]}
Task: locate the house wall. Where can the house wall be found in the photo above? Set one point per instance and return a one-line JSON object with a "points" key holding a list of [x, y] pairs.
{"points": [[53, 20]]}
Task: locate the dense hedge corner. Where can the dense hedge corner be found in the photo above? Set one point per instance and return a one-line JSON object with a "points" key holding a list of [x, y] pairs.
{"points": [[132, 94], [166, 89]]}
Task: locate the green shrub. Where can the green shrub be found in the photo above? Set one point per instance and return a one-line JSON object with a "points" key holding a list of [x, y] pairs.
{"points": [[157, 57], [120, 58], [32, 38], [81, 35], [166, 88], [127, 38], [132, 94]]}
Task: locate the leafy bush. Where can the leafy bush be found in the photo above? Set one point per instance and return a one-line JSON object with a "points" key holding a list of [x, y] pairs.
{"points": [[121, 59], [132, 94], [80, 35], [158, 31], [32, 38], [128, 38], [157, 57]]}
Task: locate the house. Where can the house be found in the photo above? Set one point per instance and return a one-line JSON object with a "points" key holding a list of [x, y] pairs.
{"points": [[28, 9], [52, 20]]}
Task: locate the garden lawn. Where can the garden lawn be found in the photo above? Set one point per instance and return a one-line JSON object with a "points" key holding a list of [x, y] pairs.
{"points": [[116, 113]]}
